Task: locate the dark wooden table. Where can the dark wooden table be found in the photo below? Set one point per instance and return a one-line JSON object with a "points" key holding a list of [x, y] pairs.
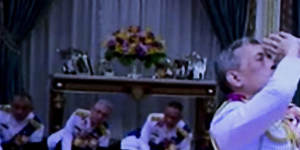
{"points": [[203, 90]]}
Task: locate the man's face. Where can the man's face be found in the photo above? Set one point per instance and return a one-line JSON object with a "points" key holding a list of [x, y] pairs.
{"points": [[100, 113], [256, 67], [21, 107], [172, 116]]}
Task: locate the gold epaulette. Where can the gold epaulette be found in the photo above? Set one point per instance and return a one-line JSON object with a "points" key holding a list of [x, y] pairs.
{"points": [[171, 147], [102, 129], [290, 135], [5, 108], [182, 132], [156, 118], [214, 143], [82, 113], [35, 124]]}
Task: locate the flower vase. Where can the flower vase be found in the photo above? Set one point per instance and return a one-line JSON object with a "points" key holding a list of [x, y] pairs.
{"points": [[134, 70]]}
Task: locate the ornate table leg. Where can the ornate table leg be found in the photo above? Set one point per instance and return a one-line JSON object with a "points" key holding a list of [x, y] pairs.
{"points": [[56, 111], [203, 118]]}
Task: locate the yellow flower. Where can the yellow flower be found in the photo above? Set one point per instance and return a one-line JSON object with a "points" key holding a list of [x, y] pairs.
{"points": [[134, 29], [134, 39], [136, 44], [122, 35], [152, 50], [148, 41], [119, 48], [132, 51], [132, 47]]}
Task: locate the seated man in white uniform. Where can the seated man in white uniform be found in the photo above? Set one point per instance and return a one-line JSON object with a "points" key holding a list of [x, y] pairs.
{"points": [[162, 131], [259, 90], [20, 128], [84, 130]]}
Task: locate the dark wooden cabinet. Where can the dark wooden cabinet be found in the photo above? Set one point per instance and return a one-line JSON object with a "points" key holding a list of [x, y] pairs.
{"points": [[203, 90]]}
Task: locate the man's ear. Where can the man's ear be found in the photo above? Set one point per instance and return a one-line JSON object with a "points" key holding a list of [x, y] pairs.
{"points": [[234, 79]]}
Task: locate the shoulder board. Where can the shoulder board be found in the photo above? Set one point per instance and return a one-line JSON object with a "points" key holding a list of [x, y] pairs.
{"points": [[156, 118], [187, 128], [102, 129], [182, 132], [35, 123], [37, 119], [102, 126], [5, 108], [290, 134], [82, 113], [105, 124]]}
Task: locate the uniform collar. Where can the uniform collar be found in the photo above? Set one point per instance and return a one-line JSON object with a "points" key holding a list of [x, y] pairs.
{"points": [[236, 97], [29, 116]]}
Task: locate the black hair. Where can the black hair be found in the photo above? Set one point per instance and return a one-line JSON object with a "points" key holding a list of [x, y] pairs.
{"points": [[23, 95], [176, 105]]}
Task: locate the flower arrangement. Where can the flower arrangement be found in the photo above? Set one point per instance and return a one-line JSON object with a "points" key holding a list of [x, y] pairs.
{"points": [[133, 43]]}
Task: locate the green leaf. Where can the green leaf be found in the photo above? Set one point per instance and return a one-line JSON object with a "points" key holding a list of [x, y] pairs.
{"points": [[126, 60], [109, 55]]}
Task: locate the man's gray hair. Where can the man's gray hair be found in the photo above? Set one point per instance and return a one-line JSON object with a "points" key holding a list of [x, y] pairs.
{"points": [[106, 103], [227, 60]]}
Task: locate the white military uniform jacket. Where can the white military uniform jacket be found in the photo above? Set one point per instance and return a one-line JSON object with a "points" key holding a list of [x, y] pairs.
{"points": [[247, 126], [78, 132], [30, 129], [155, 133]]}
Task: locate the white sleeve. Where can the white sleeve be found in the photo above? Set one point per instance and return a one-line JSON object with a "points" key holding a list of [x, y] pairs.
{"points": [[37, 136], [70, 125], [1, 128], [265, 108], [54, 138], [2, 120], [145, 134], [65, 135], [186, 143], [67, 141], [104, 140], [69, 130]]}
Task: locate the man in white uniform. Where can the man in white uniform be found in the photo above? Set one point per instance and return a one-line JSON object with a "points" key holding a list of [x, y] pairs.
{"points": [[161, 131], [259, 90], [84, 130], [20, 128]]}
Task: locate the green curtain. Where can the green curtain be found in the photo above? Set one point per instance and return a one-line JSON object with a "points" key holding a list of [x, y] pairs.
{"points": [[296, 18], [228, 18], [18, 17], [296, 31], [296, 98]]}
